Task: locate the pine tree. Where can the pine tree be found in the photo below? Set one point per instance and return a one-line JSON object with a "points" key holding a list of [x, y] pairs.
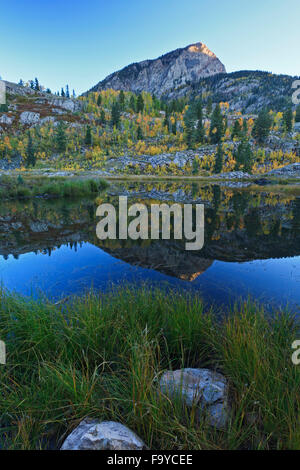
{"points": [[63, 92], [140, 104], [262, 126], [30, 153], [139, 133], [166, 122], [102, 117], [237, 130], [132, 103], [67, 91], [288, 119], [209, 106], [219, 160], [99, 100], [88, 136], [200, 128], [61, 138], [189, 119], [216, 131], [122, 99], [244, 157], [245, 127], [115, 115], [36, 84], [195, 167]]}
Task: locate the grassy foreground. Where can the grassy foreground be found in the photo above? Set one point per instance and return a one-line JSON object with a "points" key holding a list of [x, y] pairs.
{"points": [[12, 187], [101, 355]]}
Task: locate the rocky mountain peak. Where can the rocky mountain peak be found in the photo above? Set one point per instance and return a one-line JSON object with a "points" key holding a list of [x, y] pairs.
{"points": [[167, 72], [201, 48]]}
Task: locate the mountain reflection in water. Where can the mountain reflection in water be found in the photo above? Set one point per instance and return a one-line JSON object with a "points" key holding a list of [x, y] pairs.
{"points": [[252, 245]]}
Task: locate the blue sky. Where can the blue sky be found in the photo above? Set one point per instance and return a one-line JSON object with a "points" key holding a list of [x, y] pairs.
{"points": [[80, 42]]}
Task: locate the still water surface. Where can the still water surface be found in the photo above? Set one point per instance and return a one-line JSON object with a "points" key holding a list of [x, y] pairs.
{"points": [[252, 246]]}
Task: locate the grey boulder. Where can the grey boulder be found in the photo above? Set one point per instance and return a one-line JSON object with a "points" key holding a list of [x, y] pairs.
{"points": [[105, 435], [203, 388]]}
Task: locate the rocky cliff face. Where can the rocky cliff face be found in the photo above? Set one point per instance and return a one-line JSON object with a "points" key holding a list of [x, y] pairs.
{"points": [[172, 70]]}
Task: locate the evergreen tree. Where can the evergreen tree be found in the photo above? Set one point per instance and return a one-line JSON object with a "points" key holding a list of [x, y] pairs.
{"points": [[36, 84], [88, 136], [30, 153], [189, 119], [63, 92], [166, 122], [140, 104], [262, 126], [200, 128], [99, 100], [21, 83], [139, 133], [115, 115], [209, 106], [288, 119], [216, 131], [297, 119], [244, 157], [195, 167], [122, 99], [237, 130], [219, 160], [67, 91], [61, 138], [132, 103], [102, 117], [245, 127]]}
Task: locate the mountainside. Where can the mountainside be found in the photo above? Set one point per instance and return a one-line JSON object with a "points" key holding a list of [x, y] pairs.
{"points": [[247, 91], [159, 76]]}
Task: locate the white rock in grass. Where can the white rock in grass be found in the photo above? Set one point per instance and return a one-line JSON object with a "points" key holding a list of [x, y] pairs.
{"points": [[105, 435], [203, 388]]}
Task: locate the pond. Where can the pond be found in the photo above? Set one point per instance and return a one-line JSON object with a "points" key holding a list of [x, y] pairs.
{"points": [[252, 246]]}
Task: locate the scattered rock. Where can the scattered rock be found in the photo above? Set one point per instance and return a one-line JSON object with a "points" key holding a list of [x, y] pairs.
{"points": [[292, 170], [29, 117], [38, 227], [232, 175], [47, 119], [203, 388], [4, 119], [105, 435]]}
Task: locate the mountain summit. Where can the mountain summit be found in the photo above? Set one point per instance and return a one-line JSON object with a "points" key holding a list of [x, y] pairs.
{"points": [[171, 70]]}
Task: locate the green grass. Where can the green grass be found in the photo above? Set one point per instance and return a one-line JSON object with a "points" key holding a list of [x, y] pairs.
{"points": [[101, 355], [56, 187]]}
